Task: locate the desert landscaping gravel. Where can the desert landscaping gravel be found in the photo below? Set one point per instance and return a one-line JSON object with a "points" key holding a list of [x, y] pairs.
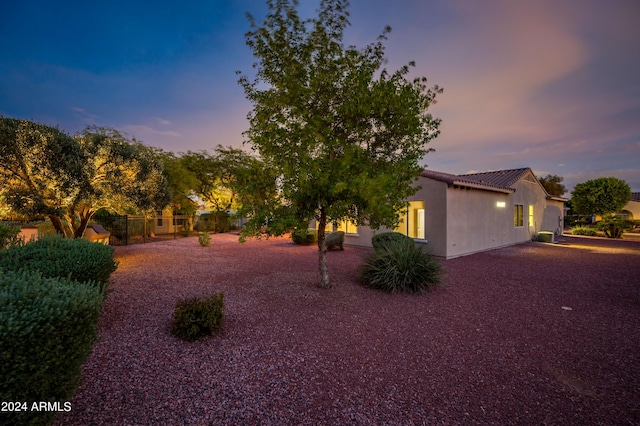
{"points": [[531, 334]]}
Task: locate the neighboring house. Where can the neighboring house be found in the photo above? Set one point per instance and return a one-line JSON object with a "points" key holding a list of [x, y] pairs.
{"points": [[632, 209], [456, 215], [165, 222]]}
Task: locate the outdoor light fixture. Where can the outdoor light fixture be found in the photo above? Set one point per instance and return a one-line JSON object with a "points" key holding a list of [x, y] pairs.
{"points": [[501, 204]]}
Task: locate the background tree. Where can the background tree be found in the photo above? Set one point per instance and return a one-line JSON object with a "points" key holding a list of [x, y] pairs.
{"points": [[120, 174], [208, 171], [41, 170], [46, 172], [600, 196], [181, 182], [604, 197], [553, 185], [215, 175], [342, 134]]}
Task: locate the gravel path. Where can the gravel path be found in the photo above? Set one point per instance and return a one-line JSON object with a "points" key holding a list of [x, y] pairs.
{"points": [[531, 334]]}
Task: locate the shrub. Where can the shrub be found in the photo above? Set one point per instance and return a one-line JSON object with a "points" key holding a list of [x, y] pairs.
{"points": [[582, 230], [197, 317], [9, 235], [48, 327], [614, 226], [304, 236], [380, 240], [204, 239], [79, 260], [217, 221], [399, 267], [335, 239]]}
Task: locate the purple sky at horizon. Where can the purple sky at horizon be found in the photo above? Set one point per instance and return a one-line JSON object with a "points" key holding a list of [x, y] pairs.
{"points": [[554, 86]]}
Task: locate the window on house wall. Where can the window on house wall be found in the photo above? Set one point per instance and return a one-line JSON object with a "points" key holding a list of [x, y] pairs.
{"points": [[532, 220], [412, 221], [518, 212], [159, 221], [347, 227], [626, 215]]}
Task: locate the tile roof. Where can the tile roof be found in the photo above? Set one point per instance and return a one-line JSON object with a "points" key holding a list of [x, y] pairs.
{"points": [[499, 178], [470, 181], [635, 196]]}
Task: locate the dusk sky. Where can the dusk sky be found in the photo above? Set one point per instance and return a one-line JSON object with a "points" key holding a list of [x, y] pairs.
{"points": [[550, 85]]}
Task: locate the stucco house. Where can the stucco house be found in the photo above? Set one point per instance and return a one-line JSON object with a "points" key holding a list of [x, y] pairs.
{"points": [[631, 210], [457, 215]]}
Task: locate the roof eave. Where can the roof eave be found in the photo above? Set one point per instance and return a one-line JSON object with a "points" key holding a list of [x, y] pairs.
{"points": [[483, 187]]}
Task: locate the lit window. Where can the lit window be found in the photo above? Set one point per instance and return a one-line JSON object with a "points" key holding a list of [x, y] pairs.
{"points": [[531, 217], [518, 213], [347, 227], [412, 221], [501, 204]]}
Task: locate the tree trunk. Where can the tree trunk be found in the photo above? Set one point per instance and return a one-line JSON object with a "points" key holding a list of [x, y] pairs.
{"points": [[322, 251], [84, 221], [57, 224]]}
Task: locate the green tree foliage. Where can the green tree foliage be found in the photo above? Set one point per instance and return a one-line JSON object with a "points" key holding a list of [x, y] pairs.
{"points": [[181, 181], [341, 133], [600, 196], [225, 178], [553, 185], [42, 170], [46, 172], [122, 174]]}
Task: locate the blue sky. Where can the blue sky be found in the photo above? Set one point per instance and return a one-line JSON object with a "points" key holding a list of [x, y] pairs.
{"points": [[550, 85]]}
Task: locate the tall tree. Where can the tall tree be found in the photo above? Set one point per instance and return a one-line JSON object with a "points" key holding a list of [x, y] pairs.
{"points": [[181, 181], [600, 196], [121, 174], [342, 134], [553, 185], [41, 170], [46, 172]]}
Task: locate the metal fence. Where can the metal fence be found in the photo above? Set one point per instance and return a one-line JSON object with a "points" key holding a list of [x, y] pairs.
{"points": [[132, 229]]}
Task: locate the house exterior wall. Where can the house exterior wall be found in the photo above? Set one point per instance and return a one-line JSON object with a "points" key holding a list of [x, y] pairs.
{"points": [[434, 194], [461, 221], [633, 207], [476, 222], [553, 218]]}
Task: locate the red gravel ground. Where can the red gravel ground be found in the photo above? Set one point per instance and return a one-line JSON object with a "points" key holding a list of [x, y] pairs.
{"points": [[531, 334]]}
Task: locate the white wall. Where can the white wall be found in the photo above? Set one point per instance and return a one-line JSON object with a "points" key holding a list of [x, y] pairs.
{"points": [[461, 221]]}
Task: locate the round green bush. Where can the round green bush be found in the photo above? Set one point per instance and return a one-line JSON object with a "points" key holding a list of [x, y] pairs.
{"points": [[380, 240], [198, 317], [304, 236], [79, 260], [48, 327], [398, 267]]}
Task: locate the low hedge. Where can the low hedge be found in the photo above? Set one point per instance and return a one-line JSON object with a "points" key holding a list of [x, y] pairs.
{"points": [[380, 240], [9, 235], [48, 327], [304, 236], [79, 260], [581, 230]]}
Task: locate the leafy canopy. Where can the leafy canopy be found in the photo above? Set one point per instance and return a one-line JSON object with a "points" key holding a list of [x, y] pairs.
{"points": [[41, 168], [600, 196], [46, 172], [342, 134], [553, 185], [216, 176]]}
